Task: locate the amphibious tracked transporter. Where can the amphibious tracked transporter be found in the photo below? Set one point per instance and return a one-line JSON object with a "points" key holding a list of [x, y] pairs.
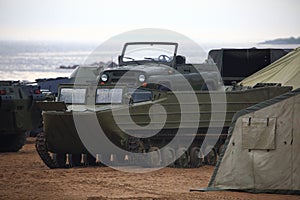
{"points": [[19, 113], [132, 89]]}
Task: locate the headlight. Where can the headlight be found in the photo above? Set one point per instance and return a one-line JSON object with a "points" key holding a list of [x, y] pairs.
{"points": [[104, 77], [142, 78]]}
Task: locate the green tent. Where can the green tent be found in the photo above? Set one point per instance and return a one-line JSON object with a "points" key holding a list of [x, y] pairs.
{"points": [[261, 152], [286, 71]]}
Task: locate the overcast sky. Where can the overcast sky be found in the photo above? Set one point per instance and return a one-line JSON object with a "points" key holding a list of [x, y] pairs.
{"points": [[97, 20]]}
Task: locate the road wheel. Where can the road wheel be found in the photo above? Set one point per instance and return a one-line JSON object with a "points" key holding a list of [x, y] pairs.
{"points": [[196, 157], [155, 156], [183, 160], [220, 149], [212, 157], [168, 156]]}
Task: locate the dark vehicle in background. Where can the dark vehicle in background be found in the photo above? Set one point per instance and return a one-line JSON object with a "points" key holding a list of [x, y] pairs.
{"points": [[237, 64], [19, 113], [50, 85]]}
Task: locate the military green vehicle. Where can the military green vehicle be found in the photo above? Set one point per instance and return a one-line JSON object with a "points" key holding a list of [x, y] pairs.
{"points": [[19, 113], [157, 66], [141, 96]]}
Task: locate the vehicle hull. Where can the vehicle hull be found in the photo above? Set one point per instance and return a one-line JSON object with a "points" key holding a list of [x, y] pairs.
{"points": [[62, 135]]}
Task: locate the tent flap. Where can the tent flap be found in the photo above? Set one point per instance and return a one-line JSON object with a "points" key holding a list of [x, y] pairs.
{"points": [[258, 133]]}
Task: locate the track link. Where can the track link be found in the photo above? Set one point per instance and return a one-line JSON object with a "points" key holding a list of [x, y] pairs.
{"points": [[186, 160], [42, 149]]}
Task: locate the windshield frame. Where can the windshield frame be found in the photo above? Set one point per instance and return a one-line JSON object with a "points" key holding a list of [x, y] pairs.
{"points": [[121, 57]]}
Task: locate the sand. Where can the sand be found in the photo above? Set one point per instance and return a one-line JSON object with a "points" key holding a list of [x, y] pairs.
{"points": [[24, 176]]}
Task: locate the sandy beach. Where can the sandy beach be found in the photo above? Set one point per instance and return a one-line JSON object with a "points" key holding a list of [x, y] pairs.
{"points": [[24, 176]]}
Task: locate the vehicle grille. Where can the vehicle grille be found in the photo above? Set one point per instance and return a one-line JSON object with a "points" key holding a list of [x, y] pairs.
{"points": [[127, 77]]}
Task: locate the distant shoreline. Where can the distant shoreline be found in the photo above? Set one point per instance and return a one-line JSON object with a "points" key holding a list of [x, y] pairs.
{"points": [[291, 40]]}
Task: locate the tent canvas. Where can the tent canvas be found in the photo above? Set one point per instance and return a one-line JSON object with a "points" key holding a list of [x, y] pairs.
{"points": [[261, 151], [286, 71]]}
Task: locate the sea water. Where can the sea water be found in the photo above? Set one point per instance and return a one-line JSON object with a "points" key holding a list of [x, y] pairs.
{"points": [[30, 60]]}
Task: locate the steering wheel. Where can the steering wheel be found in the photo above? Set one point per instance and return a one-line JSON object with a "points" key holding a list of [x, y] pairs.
{"points": [[163, 58]]}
